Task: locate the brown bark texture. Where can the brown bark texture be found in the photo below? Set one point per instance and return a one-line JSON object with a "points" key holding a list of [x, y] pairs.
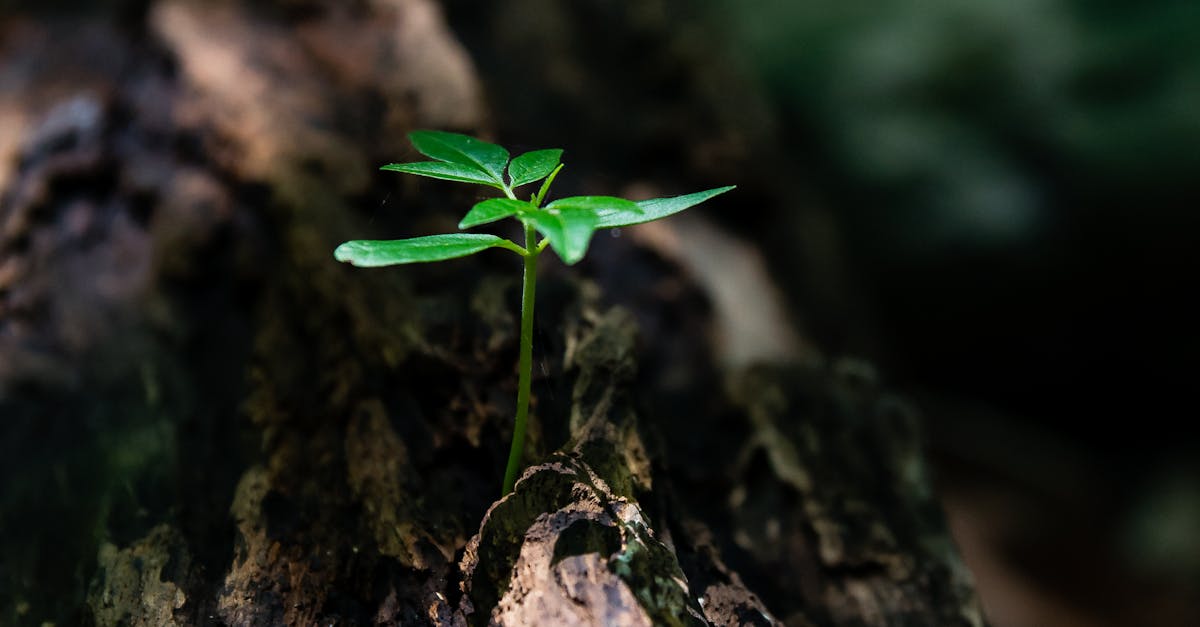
{"points": [[209, 421]]}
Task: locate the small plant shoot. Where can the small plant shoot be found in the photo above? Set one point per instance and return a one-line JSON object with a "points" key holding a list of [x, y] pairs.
{"points": [[565, 225]]}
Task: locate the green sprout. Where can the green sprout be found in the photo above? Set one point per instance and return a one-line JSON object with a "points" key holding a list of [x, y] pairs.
{"points": [[566, 225]]}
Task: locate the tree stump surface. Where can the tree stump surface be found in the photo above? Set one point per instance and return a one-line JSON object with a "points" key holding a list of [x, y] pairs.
{"points": [[209, 421]]}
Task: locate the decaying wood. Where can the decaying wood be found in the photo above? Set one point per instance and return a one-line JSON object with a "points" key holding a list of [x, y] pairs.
{"points": [[832, 490], [572, 544], [211, 172]]}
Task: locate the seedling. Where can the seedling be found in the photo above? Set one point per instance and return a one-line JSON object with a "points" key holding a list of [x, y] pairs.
{"points": [[566, 225]]}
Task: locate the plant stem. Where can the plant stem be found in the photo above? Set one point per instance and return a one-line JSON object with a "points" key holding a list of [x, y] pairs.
{"points": [[525, 361], [541, 195]]}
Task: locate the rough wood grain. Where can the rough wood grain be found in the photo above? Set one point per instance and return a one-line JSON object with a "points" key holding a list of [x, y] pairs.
{"points": [[264, 436]]}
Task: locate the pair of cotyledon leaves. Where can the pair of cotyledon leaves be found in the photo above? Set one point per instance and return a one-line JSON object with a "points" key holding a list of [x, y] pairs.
{"points": [[568, 223]]}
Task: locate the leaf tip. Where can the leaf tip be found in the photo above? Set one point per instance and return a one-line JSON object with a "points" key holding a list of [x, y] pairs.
{"points": [[345, 252], [572, 257]]}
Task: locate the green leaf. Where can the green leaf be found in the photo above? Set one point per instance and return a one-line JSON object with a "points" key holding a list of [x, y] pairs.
{"points": [[493, 209], [600, 205], [463, 150], [657, 208], [533, 166], [569, 230], [444, 171], [375, 253]]}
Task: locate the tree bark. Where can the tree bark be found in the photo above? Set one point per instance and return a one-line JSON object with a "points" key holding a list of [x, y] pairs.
{"points": [[250, 433]]}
